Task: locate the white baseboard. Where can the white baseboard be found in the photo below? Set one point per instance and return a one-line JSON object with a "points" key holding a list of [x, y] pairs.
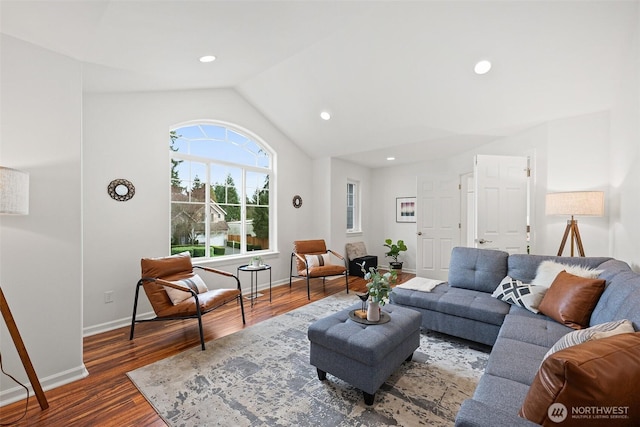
{"points": [[126, 321], [18, 393], [114, 324]]}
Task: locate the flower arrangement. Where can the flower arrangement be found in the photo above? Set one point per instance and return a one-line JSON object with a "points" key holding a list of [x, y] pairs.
{"points": [[379, 285]]}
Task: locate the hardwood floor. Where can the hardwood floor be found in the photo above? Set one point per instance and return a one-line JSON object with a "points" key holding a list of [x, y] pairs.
{"points": [[107, 398]]}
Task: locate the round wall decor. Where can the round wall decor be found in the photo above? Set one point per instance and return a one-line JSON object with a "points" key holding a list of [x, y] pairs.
{"points": [[297, 201], [121, 190]]}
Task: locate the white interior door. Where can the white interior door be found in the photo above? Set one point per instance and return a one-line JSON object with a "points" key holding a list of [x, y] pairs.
{"points": [[501, 200], [467, 210], [437, 225]]}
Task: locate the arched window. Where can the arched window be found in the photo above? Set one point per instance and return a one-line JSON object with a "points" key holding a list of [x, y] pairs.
{"points": [[221, 181]]}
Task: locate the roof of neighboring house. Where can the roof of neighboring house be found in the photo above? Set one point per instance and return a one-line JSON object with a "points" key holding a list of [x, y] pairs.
{"points": [[219, 226]]}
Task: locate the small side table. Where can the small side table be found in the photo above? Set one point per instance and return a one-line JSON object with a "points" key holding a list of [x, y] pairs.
{"points": [[253, 272]]}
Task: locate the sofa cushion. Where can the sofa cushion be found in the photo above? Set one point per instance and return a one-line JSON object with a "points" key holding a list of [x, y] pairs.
{"points": [[600, 331], [500, 392], [474, 413], [515, 292], [601, 374], [515, 360], [473, 305], [477, 269], [463, 303], [419, 299], [571, 299], [525, 266], [537, 329], [519, 311], [621, 297]]}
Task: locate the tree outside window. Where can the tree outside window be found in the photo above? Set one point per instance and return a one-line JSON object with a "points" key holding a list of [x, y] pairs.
{"points": [[220, 191]]}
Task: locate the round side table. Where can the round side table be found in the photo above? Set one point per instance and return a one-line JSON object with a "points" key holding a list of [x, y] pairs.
{"points": [[253, 272]]}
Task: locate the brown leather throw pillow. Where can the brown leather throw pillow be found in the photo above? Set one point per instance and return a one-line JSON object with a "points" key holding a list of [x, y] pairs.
{"points": [[596, 383], [571, 299]]}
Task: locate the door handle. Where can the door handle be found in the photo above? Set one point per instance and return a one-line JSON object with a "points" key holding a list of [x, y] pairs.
{"points": [[419, 233], [483, 241]]}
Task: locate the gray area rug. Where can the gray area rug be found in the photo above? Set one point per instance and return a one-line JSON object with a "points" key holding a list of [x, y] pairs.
{"points": [[261, 376]]}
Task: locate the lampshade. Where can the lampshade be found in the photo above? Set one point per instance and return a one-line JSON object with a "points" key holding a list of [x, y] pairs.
{"points": [[14, 191], [576, 203]]}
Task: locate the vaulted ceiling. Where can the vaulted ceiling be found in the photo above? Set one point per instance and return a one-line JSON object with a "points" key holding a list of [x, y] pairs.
{"points": [[396, 76]]}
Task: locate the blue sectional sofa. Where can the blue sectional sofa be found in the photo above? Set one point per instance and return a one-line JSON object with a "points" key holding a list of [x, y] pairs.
{"points": [[464, 307]]}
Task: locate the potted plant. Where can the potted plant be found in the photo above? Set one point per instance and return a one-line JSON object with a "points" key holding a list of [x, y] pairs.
{"points": [[256, 261], [379, 288], [394, 252]]}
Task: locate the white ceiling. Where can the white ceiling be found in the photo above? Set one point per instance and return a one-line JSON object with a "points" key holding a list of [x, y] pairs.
{"points": [[397, 76]]}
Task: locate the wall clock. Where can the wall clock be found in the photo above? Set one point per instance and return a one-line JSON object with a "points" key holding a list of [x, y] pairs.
{"points": [[297, 201], [121, 190]]}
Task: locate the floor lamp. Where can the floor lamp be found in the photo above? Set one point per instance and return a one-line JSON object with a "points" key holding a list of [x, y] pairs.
{"points": [[589, 203], [14, 200]]}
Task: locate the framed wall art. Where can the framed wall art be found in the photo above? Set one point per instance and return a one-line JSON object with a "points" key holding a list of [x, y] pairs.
{"points": [[405, 209]]}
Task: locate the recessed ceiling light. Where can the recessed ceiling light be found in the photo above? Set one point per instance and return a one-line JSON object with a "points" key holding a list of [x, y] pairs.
{"points": [[325, 115], [391, 158], [207, 58], [482, 67]]}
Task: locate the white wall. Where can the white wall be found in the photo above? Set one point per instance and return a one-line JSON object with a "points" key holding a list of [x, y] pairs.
{"points": [[387, 185], [41, 254], [126, 136], [578, 150], [341, 172], [567, 154], [625, 160], [321, 210]]}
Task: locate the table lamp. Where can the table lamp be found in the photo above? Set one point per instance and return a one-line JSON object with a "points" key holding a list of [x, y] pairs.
{"points": [[589, 203]]}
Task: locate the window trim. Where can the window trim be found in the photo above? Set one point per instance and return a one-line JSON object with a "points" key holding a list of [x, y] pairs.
{"points": [[271, 171], [357, 207]]}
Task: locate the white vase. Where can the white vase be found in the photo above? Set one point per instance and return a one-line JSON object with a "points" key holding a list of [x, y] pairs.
{"points": [[373, 312]]}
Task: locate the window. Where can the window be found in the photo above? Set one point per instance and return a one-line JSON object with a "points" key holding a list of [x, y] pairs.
{"points": [[221, 178], [353, 207]]}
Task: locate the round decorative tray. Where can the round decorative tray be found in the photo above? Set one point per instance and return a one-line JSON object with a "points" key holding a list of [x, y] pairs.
{"points": [[384, 318]]}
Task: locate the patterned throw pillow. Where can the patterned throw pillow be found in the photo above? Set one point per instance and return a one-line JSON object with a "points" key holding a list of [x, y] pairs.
{"points": [[318, 260], [602, 330], [521, 294], [195, 283], [356, 250]]}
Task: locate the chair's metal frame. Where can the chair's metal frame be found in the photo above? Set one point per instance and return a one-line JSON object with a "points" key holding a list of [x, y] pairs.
{"points": [[303, 259], [197, 315]]}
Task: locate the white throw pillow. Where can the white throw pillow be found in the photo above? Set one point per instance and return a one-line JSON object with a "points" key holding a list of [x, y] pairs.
{"points": [[548, 270], [602, 330], [195, 282], [318, 260], [521, 294]]}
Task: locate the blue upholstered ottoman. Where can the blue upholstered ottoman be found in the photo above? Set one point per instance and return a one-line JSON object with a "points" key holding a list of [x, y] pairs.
{"points": [[364, 355]]}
